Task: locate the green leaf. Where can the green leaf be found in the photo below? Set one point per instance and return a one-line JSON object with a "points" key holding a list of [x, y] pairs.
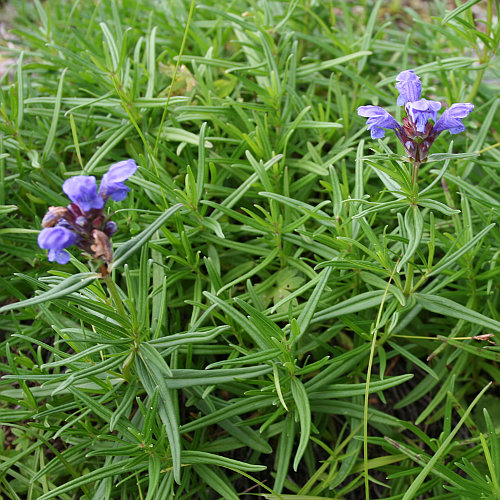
{"points": [[438, 206], [348, 390], [358, 303], [483, 351], [232, 409], [186, 378], [302, 404], [461, 8], [108, 471], [447, 260], [417, 482], [284, 451], [261, 339], [338, 366], [49, 143], [414, 359], [154, 471], [180, 135], [447, 307], [247, 360], [202, 457], [309, 69], [5, 209], [217, 481], [188, 337], [307, 313], [414, 228], [153, 378], [66, 287], [449, 156], [134, 244], [262, 322], [255, 269]]}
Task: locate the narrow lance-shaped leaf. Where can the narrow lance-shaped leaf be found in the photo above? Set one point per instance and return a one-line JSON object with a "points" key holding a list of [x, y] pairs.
{"points": [[151, 378], [108, 471], [284, 451], [414, 225], [63, 289], [218, 482], [447, 260], [307, 313], [187, 378], [303, 409], [415, 485], [134, 244], [349, 390], [447, 307], [257, 336], [202, 457], [355, 304]]}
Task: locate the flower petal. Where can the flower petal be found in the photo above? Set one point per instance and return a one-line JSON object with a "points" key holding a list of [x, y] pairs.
{"points": [[61, 257], [120, 171], [451, 119], [55, 239], [409, 87], [82, 191], [112, 181], [422, 111], [378, 119]]}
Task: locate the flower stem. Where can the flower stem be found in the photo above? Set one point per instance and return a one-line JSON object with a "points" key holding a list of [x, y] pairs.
{"points": [[373, 333], [484, 58], [409, 279], [414, 180], [477, 83], [416, 166], [115, 295]]}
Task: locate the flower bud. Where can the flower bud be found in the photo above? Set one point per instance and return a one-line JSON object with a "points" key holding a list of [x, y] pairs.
{"points": [[54, 215]]}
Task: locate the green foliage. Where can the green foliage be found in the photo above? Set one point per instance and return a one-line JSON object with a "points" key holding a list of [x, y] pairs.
{"points": [[289, 313]]}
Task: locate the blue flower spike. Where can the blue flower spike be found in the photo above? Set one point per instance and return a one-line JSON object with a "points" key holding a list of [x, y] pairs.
{"points": [[421, 126], [83, 222]]}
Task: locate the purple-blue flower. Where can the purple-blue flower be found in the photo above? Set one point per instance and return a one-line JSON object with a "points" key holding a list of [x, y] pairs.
{"points": [[422, 111], [112, 184], [84, 222], [417, 133], [55, 239], [409, 87], [378, 119], [82, 191], [451, 119]]}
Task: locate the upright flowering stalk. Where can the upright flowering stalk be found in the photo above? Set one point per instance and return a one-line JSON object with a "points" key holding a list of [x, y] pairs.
{"points": [[417, 133], [83, 222]]}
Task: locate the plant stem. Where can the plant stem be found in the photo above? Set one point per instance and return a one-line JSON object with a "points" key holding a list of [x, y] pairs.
{"points": [[414, 176], [409, 279], [475, 87], [367, 390], [115, 295]]}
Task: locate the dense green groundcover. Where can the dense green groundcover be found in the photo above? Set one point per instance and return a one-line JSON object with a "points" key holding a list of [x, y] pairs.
{"points": [[283, 320]]}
